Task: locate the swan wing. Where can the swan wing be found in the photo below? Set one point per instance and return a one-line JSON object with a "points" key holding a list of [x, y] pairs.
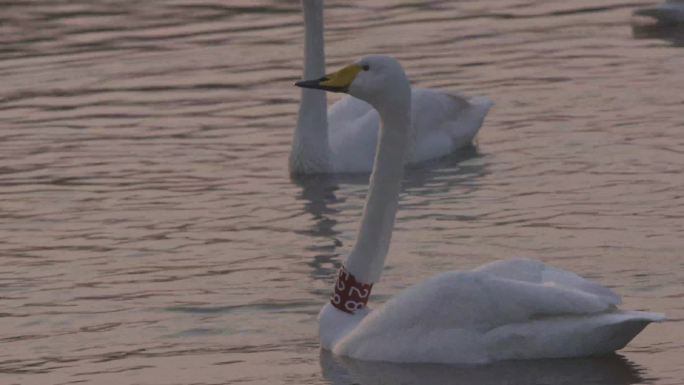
{"points": [[444, 122], [352, 134], [537, 272], [480, 301], [441, 122], [470, 316], [347, 108]]}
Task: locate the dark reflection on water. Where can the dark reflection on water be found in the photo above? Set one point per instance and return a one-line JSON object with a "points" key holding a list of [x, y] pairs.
{"points": [[429, 178], [671, 33], [609, 370]]}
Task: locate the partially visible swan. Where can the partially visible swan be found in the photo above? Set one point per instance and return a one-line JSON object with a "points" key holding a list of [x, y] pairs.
{"points": [[344, 138], [670, 12], [503, 310]]}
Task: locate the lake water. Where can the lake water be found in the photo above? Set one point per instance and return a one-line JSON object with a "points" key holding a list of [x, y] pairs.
{"points": [[150, 233]]}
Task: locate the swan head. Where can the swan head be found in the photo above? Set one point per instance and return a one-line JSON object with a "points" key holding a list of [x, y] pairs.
{"points": [[376, 79]]}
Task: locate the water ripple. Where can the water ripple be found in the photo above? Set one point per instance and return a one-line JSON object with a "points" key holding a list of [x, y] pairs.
{"points": [[150, 227]]}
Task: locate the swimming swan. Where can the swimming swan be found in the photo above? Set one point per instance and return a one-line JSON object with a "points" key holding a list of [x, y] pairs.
{"points": [[344, 138], [503, 310]]}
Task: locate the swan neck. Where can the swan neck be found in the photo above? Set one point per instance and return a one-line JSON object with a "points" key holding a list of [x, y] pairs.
{"points": [[310, 146], [314, 46], [367, 258]]}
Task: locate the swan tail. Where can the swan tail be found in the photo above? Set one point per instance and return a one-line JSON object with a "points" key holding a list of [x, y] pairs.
{"points": [[480, 106], [562, 337], [645, 316], [470, 119], [614, 330], [483, 101]]}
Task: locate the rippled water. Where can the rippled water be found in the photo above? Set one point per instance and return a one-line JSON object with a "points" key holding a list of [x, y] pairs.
{"points": [[151, 235]]}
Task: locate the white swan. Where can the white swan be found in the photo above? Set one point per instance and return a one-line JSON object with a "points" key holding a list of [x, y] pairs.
{"points": [[670, 12], [504, 310], [344, 138]]}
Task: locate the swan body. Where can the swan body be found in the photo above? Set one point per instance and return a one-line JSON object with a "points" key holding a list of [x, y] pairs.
{"points": [[345, 138], [670, 12], [443, 122], [517, 309]]}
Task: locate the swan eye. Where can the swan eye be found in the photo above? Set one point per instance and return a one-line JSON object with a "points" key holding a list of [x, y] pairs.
{"points": [[365, 67]]}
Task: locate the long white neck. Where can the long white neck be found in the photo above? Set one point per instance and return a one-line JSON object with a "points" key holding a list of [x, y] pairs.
{"points": [[367, 258], [310, 146]]}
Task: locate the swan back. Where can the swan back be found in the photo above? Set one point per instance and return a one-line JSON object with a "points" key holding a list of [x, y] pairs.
{"points": [[527, 270]]}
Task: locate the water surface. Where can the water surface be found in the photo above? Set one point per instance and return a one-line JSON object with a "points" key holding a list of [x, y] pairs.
{"points": [[151, 235]]}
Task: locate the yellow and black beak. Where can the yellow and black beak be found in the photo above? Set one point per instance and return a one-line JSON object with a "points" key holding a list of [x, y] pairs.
{"points": [[335, 82]]}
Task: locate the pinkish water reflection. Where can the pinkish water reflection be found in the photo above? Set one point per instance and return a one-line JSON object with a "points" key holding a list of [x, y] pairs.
{"points": [[151, 235]]}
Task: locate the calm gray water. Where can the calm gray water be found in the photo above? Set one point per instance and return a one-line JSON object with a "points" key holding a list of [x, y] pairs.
{"points": [[150, 233]]}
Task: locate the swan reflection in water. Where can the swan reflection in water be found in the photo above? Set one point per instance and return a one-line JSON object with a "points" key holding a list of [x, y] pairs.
{"points": [[670, 33], [664, 21], [607, 370], [457, 171]]}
